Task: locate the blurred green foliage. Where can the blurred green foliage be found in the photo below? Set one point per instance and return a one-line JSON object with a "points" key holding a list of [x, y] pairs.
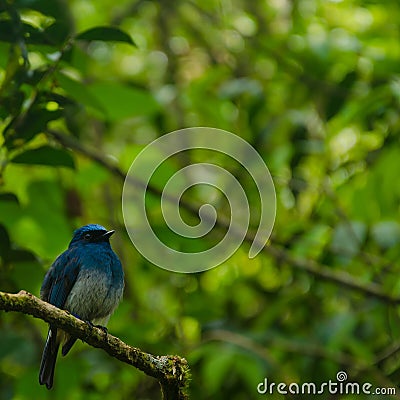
{"points": [[313, 85]]}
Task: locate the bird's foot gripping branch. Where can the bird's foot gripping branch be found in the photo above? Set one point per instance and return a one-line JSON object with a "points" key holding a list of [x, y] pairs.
{"points": [[172, 372]]}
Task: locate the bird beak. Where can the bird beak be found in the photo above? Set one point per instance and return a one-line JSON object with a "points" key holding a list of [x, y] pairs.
{"points": [[107, 234]]}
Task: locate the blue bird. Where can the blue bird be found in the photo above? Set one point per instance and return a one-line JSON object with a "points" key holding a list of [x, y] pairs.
{"points": [[88, 281]]}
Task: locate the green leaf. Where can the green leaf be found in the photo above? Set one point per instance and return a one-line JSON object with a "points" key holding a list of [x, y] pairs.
{"points": [[57, 9], [21, 255], [55, 34], [106, 34], [9, 34], [34, 122], [122, 101], [45, 155], [11, 197]]}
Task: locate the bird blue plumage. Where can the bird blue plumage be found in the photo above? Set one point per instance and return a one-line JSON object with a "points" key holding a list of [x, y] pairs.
{"points": [[88, 281]]}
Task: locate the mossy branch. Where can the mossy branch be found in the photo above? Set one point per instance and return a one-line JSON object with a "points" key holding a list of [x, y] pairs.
{"points": [[172, 372]]}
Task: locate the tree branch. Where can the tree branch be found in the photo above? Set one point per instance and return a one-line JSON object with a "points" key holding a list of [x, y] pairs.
{"points": [[328, 274], [172, 372], [310, 266]]}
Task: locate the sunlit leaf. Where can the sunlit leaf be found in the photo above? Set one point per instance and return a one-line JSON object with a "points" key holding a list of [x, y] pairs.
{"points": [[56, 9]]}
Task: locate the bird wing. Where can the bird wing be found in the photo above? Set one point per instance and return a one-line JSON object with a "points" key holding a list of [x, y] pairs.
{"points": [[60, 278], [56, 287]]}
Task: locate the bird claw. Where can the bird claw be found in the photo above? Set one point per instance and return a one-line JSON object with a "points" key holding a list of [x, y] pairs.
{"points": [[103, 328], [90, 323]]}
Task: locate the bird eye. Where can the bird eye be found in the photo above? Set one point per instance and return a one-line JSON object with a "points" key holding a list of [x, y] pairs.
{"points": [[87, 236]]}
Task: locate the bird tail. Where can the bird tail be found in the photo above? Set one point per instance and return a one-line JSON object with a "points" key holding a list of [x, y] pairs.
{"points": [[49, 357], [67, 345]]}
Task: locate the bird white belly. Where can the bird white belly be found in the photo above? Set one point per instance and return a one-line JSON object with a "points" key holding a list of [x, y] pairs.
{"points": [[88, 297]]}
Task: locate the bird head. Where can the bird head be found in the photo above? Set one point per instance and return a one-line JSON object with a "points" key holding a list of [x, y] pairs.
{"points": [[92, 233]]}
